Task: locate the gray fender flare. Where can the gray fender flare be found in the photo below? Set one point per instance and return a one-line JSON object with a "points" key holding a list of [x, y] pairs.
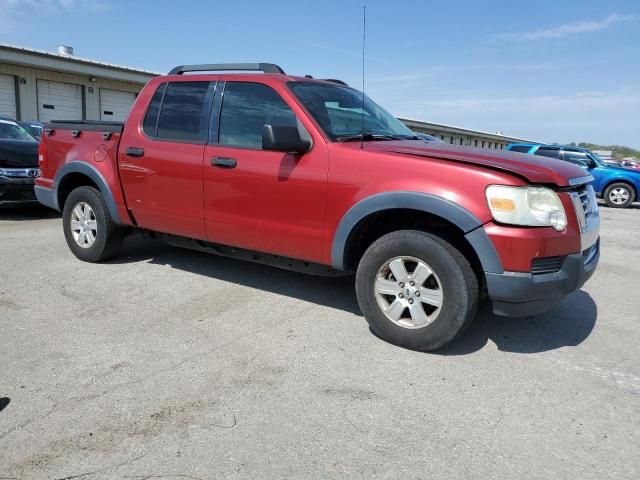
{"points": [[91, 172], [433, 204]]}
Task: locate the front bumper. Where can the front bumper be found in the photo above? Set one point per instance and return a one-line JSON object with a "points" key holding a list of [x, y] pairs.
{"points": [[16, 191], [516, 294]]}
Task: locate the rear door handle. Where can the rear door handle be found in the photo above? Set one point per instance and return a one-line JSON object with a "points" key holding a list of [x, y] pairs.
{"points": [[136, 152], [224, 162]]}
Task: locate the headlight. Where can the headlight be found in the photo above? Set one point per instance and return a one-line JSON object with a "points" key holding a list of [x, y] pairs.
{"points": [[528, 206]]}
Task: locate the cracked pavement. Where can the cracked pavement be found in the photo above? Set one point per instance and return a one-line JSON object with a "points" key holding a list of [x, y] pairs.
{"points": [[169, 363]]}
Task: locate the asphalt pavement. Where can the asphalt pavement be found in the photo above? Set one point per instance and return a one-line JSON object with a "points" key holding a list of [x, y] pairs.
{"points": [[169, 363]]}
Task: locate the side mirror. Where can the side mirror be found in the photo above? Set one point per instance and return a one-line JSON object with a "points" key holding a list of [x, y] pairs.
{"points": [[283, 139]]}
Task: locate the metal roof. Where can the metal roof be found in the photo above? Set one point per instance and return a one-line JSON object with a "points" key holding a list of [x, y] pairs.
{"points": [[12, 54], [411, 122]]}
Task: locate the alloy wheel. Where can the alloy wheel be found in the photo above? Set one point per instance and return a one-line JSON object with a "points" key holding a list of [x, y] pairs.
{"points": [[84, 226], [408, 292]]}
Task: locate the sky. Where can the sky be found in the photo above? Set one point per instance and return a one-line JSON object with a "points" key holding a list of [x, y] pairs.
{"points": [[551, 71]]}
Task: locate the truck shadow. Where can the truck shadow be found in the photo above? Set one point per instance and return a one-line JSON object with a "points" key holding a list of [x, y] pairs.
{"points": [[568, 323]]}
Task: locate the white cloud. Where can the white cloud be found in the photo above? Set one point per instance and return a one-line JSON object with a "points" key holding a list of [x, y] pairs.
{"points": [[575, 28]]}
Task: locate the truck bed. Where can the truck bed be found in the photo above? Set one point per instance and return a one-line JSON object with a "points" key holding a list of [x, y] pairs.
{"points": [[84, 125]]}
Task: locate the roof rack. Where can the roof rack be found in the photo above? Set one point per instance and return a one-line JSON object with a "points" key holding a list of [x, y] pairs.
{"points": [[335, 80], [216, 67], [332, 80]]}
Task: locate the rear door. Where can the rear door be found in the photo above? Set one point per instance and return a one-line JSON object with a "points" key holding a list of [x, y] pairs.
{"points": [[262, 200], [59, 101], [161, 162]]}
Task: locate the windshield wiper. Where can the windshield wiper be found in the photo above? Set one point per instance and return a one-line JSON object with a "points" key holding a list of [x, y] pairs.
{"points": [[365, 136]]}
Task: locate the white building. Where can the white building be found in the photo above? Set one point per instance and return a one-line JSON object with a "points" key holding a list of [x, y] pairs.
{"points": [[463, 136], [39, 85]]}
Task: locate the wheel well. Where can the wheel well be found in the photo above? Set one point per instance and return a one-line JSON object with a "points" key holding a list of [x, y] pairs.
{"points": [[69, 183], [626, 182], [374, 226]]}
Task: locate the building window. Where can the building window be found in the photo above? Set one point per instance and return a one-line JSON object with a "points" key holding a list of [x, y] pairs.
{"points": [[475, 143]]}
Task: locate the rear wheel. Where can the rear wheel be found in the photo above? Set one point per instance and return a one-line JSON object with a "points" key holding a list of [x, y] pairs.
{"points": [[91, 233], [416, 290], [619, 195]]}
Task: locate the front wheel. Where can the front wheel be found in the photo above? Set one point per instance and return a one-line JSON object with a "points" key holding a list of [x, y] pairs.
{"points": [[416, 290], [619, 195], [91, 233]]}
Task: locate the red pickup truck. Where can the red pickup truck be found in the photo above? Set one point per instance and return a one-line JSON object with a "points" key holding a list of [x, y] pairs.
{"points": [[312, 175]]}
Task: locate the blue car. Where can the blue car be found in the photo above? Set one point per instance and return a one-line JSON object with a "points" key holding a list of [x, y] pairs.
{"points": [[619, 187]]}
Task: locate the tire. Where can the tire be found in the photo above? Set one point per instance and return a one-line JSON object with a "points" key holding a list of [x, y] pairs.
{"points": [[451, 280], [93, 212], [619, 195]]}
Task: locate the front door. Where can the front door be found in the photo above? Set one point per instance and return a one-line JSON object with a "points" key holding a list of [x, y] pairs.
{"points": [[161, 163], [262, 200]]}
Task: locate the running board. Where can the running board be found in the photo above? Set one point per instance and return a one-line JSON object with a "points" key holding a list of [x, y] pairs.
{"points": [[272, 260]]}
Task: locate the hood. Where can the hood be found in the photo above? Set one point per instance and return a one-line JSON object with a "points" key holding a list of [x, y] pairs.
{"points": [[18, 154], [535, 169], [622, 169]]}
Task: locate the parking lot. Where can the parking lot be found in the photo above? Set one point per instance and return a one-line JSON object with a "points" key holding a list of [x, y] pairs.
{"points": [[168, 363]]}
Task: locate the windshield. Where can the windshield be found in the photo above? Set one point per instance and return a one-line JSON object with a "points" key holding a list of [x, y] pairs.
{"points": [[34, 130], [13, 131], [338, 110]]}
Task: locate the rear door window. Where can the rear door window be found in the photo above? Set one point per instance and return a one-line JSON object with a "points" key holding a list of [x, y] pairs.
{"points": [[578, 158], [182, 116], [548, 152], [246, 108]]}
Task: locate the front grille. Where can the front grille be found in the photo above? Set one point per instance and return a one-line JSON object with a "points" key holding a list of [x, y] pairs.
{"points": [[586, 205], [546, 265]]}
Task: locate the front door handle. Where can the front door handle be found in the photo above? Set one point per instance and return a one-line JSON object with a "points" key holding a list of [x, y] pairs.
{"points": [[224, 162], [136, 152]]}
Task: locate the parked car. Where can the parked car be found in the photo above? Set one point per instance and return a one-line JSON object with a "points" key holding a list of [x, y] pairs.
{"points": [[618, 186], [427, 138], [271, 168], [18, 164], [34, 128], [630, 164]]}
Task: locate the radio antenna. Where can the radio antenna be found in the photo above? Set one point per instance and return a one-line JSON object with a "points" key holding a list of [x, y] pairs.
{"points": [[364, 38]]}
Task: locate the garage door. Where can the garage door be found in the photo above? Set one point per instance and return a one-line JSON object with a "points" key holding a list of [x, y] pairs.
{"points": [[59, 101], [115, 105], [7, 96]]}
